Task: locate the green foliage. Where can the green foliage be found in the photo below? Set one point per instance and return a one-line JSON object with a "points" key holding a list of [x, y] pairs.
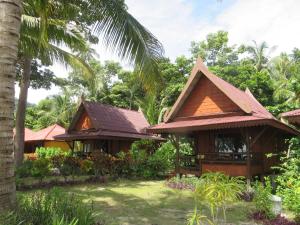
{"points": [[166, 152], [289, 184], [25, 169], [262, 198], [49, 152], [51, 208], [215, 50], [87, 166], [217, 191], [40, 168], [70, 166], [198, 219]]}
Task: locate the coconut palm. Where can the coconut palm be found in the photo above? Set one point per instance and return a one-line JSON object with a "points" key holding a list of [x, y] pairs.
{"points": [[10, 19], [283, 72], [43, 34], [259, 54]]}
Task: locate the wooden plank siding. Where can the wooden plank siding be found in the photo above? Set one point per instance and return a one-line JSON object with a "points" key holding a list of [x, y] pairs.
{"points": [[269, 142], [206, 99]]}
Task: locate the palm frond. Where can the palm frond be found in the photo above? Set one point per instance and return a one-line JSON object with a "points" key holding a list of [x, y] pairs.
{"points": [[124, 35]]}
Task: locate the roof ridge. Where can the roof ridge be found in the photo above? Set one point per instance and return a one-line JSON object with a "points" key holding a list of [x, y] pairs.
{"points": [[53, 126], [111, 106]]}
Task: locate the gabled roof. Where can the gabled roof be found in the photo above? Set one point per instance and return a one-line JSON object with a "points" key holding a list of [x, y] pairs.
{"points": [[235, 95], [28, 134], [253, 113], [47, 134], [108, 121], [293, 113], [293, 117]]}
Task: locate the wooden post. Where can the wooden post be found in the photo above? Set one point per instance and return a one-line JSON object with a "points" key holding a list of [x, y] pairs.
{"points": [[248, 149], [177, 163]]}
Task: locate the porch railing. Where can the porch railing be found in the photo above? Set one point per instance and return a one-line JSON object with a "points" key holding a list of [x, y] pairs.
{"points": [[194, 161]]}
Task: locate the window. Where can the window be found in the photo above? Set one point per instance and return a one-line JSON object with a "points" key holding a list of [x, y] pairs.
{"points": [[230, 147], [87, 147]]}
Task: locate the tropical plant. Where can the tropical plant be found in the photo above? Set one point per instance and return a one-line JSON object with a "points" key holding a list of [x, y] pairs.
{"points": [[217, 191], [262, 198], [40, 169], [49, 208], [44, 31], [198, 219], [10, 21], [288, 183], [259, 55]]}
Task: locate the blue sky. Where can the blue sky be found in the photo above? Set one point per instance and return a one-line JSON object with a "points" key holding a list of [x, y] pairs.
{"points": [[178, 22]]}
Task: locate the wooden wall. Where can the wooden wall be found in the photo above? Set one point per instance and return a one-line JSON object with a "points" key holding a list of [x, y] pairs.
{"points": [[57, 144], [270, 142], [205, 99], [116, 146]]}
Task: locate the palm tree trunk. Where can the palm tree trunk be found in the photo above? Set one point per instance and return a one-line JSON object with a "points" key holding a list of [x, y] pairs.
{"points": [[10, 20], [21, 110]]}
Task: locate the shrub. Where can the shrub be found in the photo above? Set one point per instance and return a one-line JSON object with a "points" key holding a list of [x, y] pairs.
{"points": [[40, 168], [49, 152], [70, 167], [103, 163], [166, 152], [217, 191], [288, 184], [262, 199], [148, 146], [25, 169], [86, 166], [50, 208]]}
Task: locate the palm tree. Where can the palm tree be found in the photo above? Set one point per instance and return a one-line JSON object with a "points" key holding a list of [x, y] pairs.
{"points": [[259, 55], [286, 79], [10, 19], [42, 35]]}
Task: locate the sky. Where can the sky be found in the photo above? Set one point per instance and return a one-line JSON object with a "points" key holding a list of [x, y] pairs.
{"points": [[178, 22]]}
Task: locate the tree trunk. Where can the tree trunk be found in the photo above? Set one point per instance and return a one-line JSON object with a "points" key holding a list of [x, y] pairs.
{"points": [[10, 20], [21, 110]]}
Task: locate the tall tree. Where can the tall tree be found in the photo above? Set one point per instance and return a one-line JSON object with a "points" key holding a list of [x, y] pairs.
{"points": [[215, 49], [44, 30], [10, 19]]}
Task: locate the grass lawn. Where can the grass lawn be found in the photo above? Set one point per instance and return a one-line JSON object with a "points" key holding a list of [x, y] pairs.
{"points": [[146, 202]]}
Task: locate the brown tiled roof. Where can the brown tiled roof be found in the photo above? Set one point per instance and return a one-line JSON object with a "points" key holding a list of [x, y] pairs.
{"points": [[106, 117], [28, 134], [254, 114], [109, 121], [293, 113], [47, 134]]}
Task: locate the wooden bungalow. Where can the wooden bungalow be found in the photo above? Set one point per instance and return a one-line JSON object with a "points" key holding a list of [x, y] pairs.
{"points": [[106, 128], [44, 138], [291, 117], [229, 129]]}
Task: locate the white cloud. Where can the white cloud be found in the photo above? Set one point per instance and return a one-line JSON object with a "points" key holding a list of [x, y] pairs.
{"points": [[178, 22], [171, 21], [276, 22]]}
